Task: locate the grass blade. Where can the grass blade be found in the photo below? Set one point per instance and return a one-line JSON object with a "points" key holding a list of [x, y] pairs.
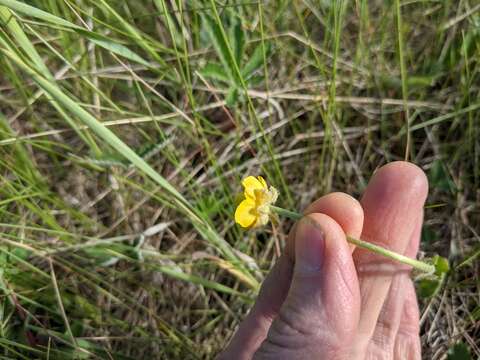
{"points": [[37, 13]]}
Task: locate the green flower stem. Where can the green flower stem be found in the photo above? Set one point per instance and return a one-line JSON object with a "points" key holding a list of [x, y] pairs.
{"points": [[419, 265]]}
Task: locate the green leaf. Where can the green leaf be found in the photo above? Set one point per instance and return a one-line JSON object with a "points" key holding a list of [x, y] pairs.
{"points": [[439, 178], [441, 265], [428, 235], [98, 39], [170, 24], [420, 81], [237, 38], [135, 34], [21, 253], [256, 60], [476, 313], [201, 224], [232, 96], [214, 71], [255, 80], [37, 13], [222, 48], [428, 287], [12, 24], [458, 351], [114, 47], [14, 27], [176, 272]]}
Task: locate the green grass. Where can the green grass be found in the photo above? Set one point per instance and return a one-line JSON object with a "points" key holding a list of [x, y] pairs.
{"points": [[126, 127]]}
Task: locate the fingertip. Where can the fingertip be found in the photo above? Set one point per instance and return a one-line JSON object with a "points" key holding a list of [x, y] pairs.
{"points": [[400, 176], [343, 208]]}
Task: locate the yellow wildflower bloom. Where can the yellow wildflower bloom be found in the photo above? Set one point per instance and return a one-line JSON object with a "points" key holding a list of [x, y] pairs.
{"points": [[254, 210]]}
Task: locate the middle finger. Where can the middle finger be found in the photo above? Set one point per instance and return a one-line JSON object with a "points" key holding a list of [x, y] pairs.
{"points": [[393, 204]]}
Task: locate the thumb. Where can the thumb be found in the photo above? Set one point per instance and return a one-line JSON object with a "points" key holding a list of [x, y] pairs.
{"points": [[321, 311]]}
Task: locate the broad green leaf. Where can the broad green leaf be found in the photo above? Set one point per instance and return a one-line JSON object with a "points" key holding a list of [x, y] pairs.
{"points": [[232, 96], [428, 235], [428, 287], [256, 60], [22, 254], [439, 177], [237, 38], [222, 48], [458, 351], [255, 79], [214, 71]]}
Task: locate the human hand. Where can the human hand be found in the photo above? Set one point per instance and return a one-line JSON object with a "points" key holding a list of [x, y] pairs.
{"points": [[324, 299]]}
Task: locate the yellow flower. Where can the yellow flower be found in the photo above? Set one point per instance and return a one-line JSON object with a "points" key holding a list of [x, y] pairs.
{"points": [[254, 210]]}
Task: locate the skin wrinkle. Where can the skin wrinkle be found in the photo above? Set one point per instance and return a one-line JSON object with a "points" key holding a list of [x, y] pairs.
{"points": [[369, 298], [277, 283], [391, 211], [343, 281], [278, 351], [284, 331], [292, 315], [407, 342], [268, 308], [298, 308], [382, 343], [265, 313], [398, 301], [261, 324], [407, 347], [391, 233], [385, 267], [345, 293], [383, 339], [392, 202], [347, 283], [270, 299], [295, 311], [332, 344]]}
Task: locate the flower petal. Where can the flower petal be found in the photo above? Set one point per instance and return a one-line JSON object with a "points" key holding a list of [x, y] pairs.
{"points": [[263, 182], [251, 183], [244, 214]]}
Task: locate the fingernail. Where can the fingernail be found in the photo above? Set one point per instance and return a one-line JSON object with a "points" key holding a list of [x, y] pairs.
{"points": [[309, 246]]}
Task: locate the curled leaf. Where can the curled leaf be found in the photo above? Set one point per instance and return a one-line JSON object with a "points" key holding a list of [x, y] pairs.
{"points": [[441, 265]]}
